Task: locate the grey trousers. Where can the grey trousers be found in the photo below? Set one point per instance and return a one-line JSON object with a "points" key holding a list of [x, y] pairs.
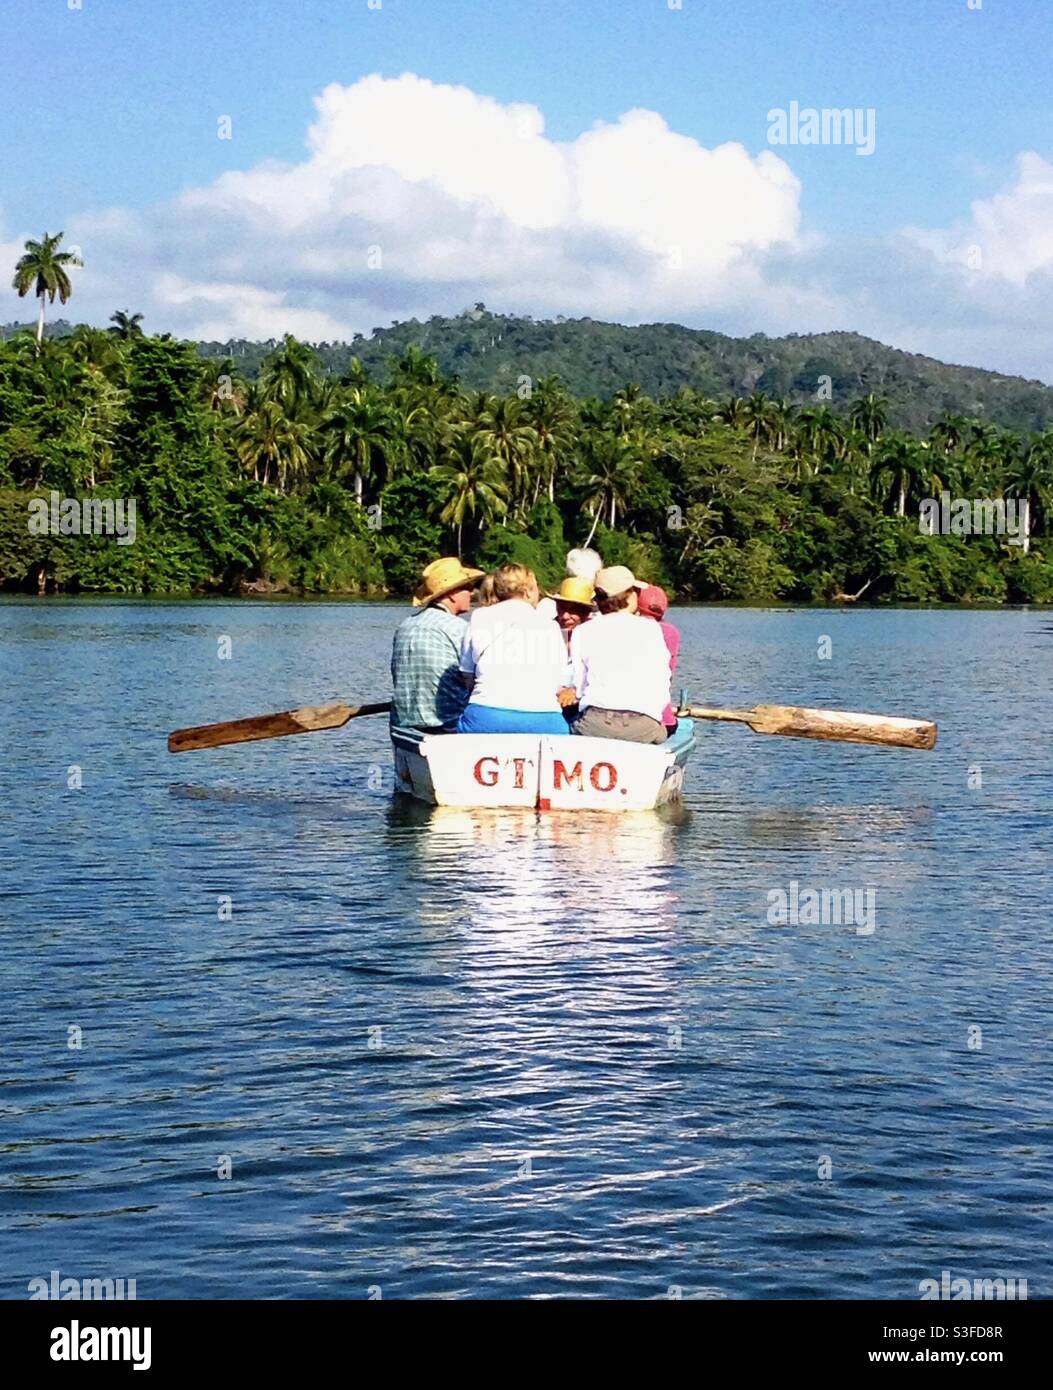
{"points": [[619, 723]]}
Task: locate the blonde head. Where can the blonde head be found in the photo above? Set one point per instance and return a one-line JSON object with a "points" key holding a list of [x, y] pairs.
{"points": [[484, 593], [515, 581]]}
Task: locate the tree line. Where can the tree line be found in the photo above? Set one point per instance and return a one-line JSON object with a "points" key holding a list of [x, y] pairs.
{"points": [[305, 481]]}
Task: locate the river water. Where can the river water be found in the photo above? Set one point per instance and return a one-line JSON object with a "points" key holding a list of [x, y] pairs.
{"points": [[267, 1032]]}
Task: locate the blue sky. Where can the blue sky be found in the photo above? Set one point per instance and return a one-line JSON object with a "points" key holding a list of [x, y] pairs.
{"points": [[133, 89]]}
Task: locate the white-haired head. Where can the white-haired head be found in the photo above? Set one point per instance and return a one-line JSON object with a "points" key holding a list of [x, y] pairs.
{"points": [[583, 564]]}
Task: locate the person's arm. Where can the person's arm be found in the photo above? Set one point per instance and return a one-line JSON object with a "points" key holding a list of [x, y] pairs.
{"points": [[559, 656], [577, 662], [672, 641], [467, 666]]}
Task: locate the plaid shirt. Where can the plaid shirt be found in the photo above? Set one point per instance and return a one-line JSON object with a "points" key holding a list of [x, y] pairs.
{"points": [[425, 657]]}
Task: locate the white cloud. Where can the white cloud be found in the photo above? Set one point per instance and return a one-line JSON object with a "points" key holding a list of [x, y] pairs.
{"points": [[463, 198], [981, 291], [1009, 236], [243, 311]]}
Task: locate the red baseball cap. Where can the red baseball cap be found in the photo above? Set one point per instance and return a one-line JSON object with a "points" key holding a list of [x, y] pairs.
{"points": [[653, 601]]}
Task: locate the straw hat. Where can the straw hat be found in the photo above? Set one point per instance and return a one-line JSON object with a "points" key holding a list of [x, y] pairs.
{"points": [[442, 577], [576, 591]]}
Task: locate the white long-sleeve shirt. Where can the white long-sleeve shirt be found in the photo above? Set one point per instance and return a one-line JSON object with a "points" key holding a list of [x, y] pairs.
{"points": [[518, 659], [620, 661]]}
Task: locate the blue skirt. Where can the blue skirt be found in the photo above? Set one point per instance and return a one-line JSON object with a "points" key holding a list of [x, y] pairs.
{"points": [[488, 719]]}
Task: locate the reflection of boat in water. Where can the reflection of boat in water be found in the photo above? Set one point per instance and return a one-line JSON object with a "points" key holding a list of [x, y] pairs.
{"points": [[549, 773], [544, 879]]}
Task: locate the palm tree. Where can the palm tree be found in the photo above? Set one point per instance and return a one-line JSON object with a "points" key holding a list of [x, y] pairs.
{"points": [[417, 425], [97, 351], [325, 396], [1029, 476], [511, 441], [63, 372], [609, 474], [734, 412], [939, 471], [949, 433], [550, 412], [125, 325], [42, 269], [287, 374], [768, 420], [359, 434], [782, 416], [869, 415], [988, 451], [268, 440], [471, 480], [822, 436], [356, 374], [900, 467], [594, 414], [688, 412], [220, 387], [629, 408]]}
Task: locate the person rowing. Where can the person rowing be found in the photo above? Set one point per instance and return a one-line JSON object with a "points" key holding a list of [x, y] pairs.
{"points": [[513, 661], [429, 695], [620, 666]]}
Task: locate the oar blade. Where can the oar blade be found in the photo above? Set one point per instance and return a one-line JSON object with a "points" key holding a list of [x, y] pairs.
{"points": [[294, 721], [842, 726]]}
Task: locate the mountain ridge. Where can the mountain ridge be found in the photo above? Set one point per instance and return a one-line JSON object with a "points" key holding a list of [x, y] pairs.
{"points": [[502, 352]]}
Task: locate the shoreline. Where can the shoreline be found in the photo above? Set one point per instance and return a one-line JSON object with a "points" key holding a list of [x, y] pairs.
{"points": [[403, 601]]}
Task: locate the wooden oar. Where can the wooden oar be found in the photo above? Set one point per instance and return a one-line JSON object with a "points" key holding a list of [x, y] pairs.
{"points": [[795, 722], [294, 721], [792, 721]]}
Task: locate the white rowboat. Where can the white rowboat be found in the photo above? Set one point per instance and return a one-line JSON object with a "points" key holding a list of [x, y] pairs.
{"points": [[547, 772]]}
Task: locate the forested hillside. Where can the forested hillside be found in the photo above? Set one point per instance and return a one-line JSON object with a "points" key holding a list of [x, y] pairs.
{"points": [[305, 481], [493, 352]]}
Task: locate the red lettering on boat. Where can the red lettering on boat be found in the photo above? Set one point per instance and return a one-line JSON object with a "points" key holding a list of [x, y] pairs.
{"points": [[489, 779], [518, 764], [611, 778], [561, 777]]}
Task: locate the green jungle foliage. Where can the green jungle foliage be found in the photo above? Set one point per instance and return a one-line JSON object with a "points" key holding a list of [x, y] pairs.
{"points": [[493, 352], [276, 472]]}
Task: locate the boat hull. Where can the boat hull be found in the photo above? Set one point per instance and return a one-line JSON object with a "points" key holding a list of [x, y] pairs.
{"points": [[550, 773]]}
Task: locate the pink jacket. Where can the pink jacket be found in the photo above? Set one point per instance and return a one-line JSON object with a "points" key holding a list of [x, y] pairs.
{"points": [[672, 641]]}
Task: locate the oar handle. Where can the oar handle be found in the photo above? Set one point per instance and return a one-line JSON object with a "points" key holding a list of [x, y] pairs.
{"points": [[737, 716]]}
